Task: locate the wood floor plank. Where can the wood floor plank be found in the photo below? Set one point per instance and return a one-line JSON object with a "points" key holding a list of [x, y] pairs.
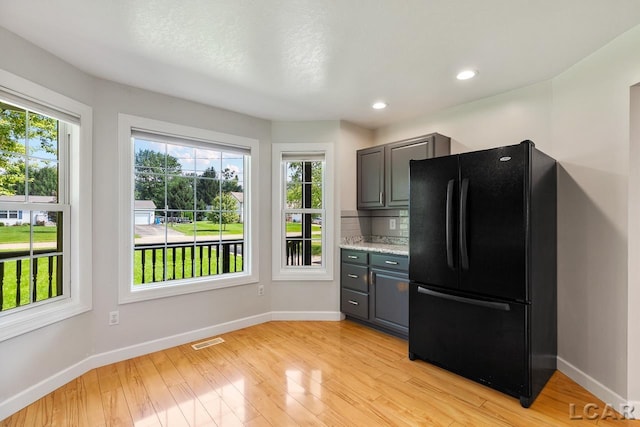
{"points": [[90, 410], [138, 401], [116, 411], [298, 373], [161, 398]]}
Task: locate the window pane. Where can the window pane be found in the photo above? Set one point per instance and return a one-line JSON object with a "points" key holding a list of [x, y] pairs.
{"points": [[180, 195], [43, 181], [13, 128], [206, 191], [43, 137], [12, 176], [316, 195], [150, 188], [316, 251], [207, 161], [41, 228], [181, 160], [46, 231], [150, 157], [294, 171]]}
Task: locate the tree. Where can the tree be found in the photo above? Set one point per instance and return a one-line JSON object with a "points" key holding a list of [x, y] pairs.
{"points": [[17, 126], [207, 187], [42, 182], [180, 193], [295, 174], [225, 210], [151, 170], [230, 181]]}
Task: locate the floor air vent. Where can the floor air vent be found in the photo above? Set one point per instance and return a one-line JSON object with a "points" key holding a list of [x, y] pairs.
{"points": [[207, 343]]}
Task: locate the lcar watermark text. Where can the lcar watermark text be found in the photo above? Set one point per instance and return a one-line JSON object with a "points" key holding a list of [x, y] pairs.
{"points": [[594, 411]]}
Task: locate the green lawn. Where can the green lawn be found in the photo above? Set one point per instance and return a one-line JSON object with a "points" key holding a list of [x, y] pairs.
{"points": [[9, 281], [208, 264], [204, 227], [20, 234], [293, 227]]}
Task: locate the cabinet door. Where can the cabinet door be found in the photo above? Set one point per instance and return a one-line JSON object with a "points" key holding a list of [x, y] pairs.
{"points": [[397, 158], [390, 300], [370, 178]]}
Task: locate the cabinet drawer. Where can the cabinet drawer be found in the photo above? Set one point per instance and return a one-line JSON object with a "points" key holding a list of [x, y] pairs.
{"points": [[355, 304], [394, 262], [355, 277], [354, 257]]}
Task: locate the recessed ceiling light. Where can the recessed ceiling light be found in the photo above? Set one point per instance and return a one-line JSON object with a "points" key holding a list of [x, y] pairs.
{"points": [[466, 74], [379, 105]]}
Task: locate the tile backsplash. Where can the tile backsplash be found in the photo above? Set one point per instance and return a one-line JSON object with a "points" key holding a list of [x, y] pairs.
{"points": [[376, 225]]}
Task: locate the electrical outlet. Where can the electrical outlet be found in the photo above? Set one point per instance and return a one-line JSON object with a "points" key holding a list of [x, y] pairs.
{"points": [[114, 318], [392, 224], [260, 290]]}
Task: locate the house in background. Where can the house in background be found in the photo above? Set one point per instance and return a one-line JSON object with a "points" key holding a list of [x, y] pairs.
{"points": [[20, 216], [145, 212], [240, 199]]}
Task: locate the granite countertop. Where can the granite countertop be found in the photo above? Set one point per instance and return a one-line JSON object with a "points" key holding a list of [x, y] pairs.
{"points": [[384, 248]]}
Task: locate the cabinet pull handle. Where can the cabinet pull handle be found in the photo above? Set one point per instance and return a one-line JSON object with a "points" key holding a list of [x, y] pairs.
{"points": [[391, 262], [352, 257], [353, 302], [353, 276], [381, 197]]}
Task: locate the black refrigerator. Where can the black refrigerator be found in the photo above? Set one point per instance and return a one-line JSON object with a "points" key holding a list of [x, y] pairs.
{"points": [[482, 266]]}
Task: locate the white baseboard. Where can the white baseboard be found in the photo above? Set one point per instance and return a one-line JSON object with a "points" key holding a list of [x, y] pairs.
{"points": [[307, 315], [46, 386], [599, 390]]}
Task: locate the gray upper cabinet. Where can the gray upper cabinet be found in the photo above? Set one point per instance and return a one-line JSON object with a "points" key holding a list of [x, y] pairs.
{"points": [[383, 171], [371, 178]]}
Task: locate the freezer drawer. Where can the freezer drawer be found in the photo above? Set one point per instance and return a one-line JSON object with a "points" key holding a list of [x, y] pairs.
{"points": [[480, 339]]}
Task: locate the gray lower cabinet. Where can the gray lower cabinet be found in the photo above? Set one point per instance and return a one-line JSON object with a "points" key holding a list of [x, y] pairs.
{"points": [[375, 290]]}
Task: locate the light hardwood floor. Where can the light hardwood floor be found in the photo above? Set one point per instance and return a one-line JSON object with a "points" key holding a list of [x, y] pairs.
{"points": [[297, 373]]}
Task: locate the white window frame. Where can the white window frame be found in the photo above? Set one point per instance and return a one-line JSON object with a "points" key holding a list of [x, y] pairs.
{"points": [[127, 293], [77, 262], [280, 271]]}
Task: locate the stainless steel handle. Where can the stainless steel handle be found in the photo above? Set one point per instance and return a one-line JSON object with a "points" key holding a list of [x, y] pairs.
{"points": [[381, 197], [391, 262], [352, 257], [353, 276], [353, 302]]}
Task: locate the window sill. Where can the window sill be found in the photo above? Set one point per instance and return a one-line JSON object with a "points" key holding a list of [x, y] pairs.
{"points": [[182, 287], [33, 318]]}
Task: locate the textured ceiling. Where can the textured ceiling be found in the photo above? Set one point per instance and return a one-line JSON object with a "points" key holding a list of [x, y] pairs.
{"points": [[322, 59]]}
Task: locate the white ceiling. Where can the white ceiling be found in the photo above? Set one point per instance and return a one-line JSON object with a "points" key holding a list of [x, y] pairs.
{"points": [[322, 59]]}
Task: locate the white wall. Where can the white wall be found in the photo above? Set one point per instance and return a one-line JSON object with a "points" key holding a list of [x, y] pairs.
{"points": [[322, 296], [30, 358], [581, 117], [34, 362], [149, 320], [352, 138]]}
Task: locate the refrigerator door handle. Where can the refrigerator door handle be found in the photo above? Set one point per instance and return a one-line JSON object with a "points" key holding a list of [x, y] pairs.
{"points": [[449, 224], [503, 306], [464, 193]]}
